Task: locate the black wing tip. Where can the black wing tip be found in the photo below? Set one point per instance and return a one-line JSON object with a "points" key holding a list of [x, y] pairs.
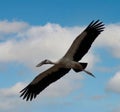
{"points": [[27, 94], [96, 25]]}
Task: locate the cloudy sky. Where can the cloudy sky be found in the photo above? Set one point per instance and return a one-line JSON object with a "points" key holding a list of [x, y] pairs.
{"points": [[33, 30]]}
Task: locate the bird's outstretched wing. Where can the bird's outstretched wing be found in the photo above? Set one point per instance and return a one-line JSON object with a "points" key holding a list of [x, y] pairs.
{"points": [[82, 43], [42, 81]]}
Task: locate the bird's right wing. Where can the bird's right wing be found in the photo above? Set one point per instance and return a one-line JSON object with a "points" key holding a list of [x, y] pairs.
{"points": [[82, 43], [42, 81]]}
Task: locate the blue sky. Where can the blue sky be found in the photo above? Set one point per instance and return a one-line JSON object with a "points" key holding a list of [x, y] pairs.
{"points": [[29, 30], [60, 11]]}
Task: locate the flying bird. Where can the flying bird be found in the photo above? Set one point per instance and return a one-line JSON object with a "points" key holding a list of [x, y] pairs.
{"points": [[70, 60]]}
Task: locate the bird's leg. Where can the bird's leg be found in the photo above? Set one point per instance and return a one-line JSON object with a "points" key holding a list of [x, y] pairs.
{"points": [[86, 71], [89, 73], [77, 67]]}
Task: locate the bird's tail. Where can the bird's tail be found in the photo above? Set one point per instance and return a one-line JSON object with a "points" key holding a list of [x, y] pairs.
{"points": [[84, 65]]}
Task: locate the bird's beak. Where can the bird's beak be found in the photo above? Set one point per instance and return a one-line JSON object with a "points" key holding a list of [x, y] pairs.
{"points": [[40, 64]]}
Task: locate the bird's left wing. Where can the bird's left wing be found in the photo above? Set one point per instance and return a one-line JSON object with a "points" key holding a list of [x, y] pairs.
{"points": [[42, 81]]}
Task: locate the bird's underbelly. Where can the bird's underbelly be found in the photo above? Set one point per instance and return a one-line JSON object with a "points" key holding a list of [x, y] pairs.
{"points": [[73, 65], [70, 64]]}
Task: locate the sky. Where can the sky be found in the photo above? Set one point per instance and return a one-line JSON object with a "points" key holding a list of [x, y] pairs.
{"points": [[34, 30]]}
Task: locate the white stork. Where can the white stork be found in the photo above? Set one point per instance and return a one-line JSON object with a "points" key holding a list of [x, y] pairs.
{"points": [[78, 49]]}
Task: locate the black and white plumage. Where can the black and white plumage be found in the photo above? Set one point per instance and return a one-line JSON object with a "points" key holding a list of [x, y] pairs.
{"points": [[78, 49], [83, 42]]}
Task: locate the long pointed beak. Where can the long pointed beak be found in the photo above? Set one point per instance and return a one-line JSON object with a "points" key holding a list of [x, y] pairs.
{"points": [[40, 64]]}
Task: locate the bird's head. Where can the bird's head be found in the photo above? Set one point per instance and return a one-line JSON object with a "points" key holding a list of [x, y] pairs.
{"points": [[46, 61]]}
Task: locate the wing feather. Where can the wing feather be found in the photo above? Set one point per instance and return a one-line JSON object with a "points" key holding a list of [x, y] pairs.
{"points": [[82, 43], [42, 81]]}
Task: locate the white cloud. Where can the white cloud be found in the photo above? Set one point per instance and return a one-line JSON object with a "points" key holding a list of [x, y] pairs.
{"points": [[114, 83], [110, 39], [12, 91], [9, 97], [39, 42], [7, 27]]}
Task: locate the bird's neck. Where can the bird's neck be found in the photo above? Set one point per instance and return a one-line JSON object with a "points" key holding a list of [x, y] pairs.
{"points": [[51, 62]]}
